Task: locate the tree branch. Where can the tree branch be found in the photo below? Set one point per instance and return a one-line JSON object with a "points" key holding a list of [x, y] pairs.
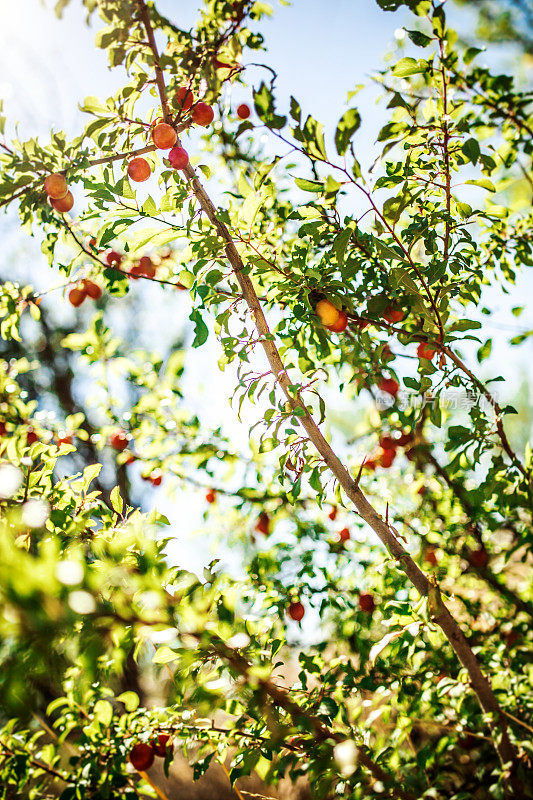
{"points": [[451, 629]]}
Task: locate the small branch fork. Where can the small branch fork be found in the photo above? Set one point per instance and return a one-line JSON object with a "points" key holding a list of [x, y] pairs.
{"points": [[321, 731], [445, 620]]}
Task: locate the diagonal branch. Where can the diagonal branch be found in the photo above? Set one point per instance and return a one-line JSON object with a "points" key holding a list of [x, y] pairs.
{"points": [[444, 619]]}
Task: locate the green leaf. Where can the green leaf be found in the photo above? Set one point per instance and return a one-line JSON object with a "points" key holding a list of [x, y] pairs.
{"points": [[470, 53], [465, 325], [484, 183], [264, 106], [90, 473], [419, 38], [485, 350], [309, 186], [471, 150], [348, 124], [408, 66], [399, 276], [130, 700], [164, 655], [201, 331], [103, 712], [116, 500], [386, 251], [340, 243]]}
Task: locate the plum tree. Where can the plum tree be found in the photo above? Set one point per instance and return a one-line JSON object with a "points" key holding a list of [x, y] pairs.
{"points": [[338, 493]]}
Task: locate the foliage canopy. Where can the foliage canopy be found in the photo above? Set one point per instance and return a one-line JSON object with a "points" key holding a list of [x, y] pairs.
{"points": [[416, 679]]}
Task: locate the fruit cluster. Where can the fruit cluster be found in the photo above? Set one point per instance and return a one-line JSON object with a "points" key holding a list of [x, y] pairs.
{"points": [[387, 449], [83, 289], [164, 135], [59, 196], [142, 755]]}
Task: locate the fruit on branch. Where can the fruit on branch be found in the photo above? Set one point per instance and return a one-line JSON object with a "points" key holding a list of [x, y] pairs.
{"points": [[366, 602], [393, 314], [405, 438], [31, 436], [55, 186], [77, 295], [147, 266], [63, 204], [430, 556], [139, 170], [340, 325], [178, 157], [387, 442], [184, 98], [479, 558], [296, 611], [243, 111], [210, 496], [3, 428], [328, 313], [333, 513], [130, 458], [155, 477], [263, 523], [92, 289], [119, 440], [162, 745], [386, 457], [114, 259], [164, 136], [424, 350], [202, 114], [389, 385], [63, 438], [344, 534], [141, 756]]}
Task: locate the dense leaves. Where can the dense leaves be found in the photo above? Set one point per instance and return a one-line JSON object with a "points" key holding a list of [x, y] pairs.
{"points": [[105, 641]]}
